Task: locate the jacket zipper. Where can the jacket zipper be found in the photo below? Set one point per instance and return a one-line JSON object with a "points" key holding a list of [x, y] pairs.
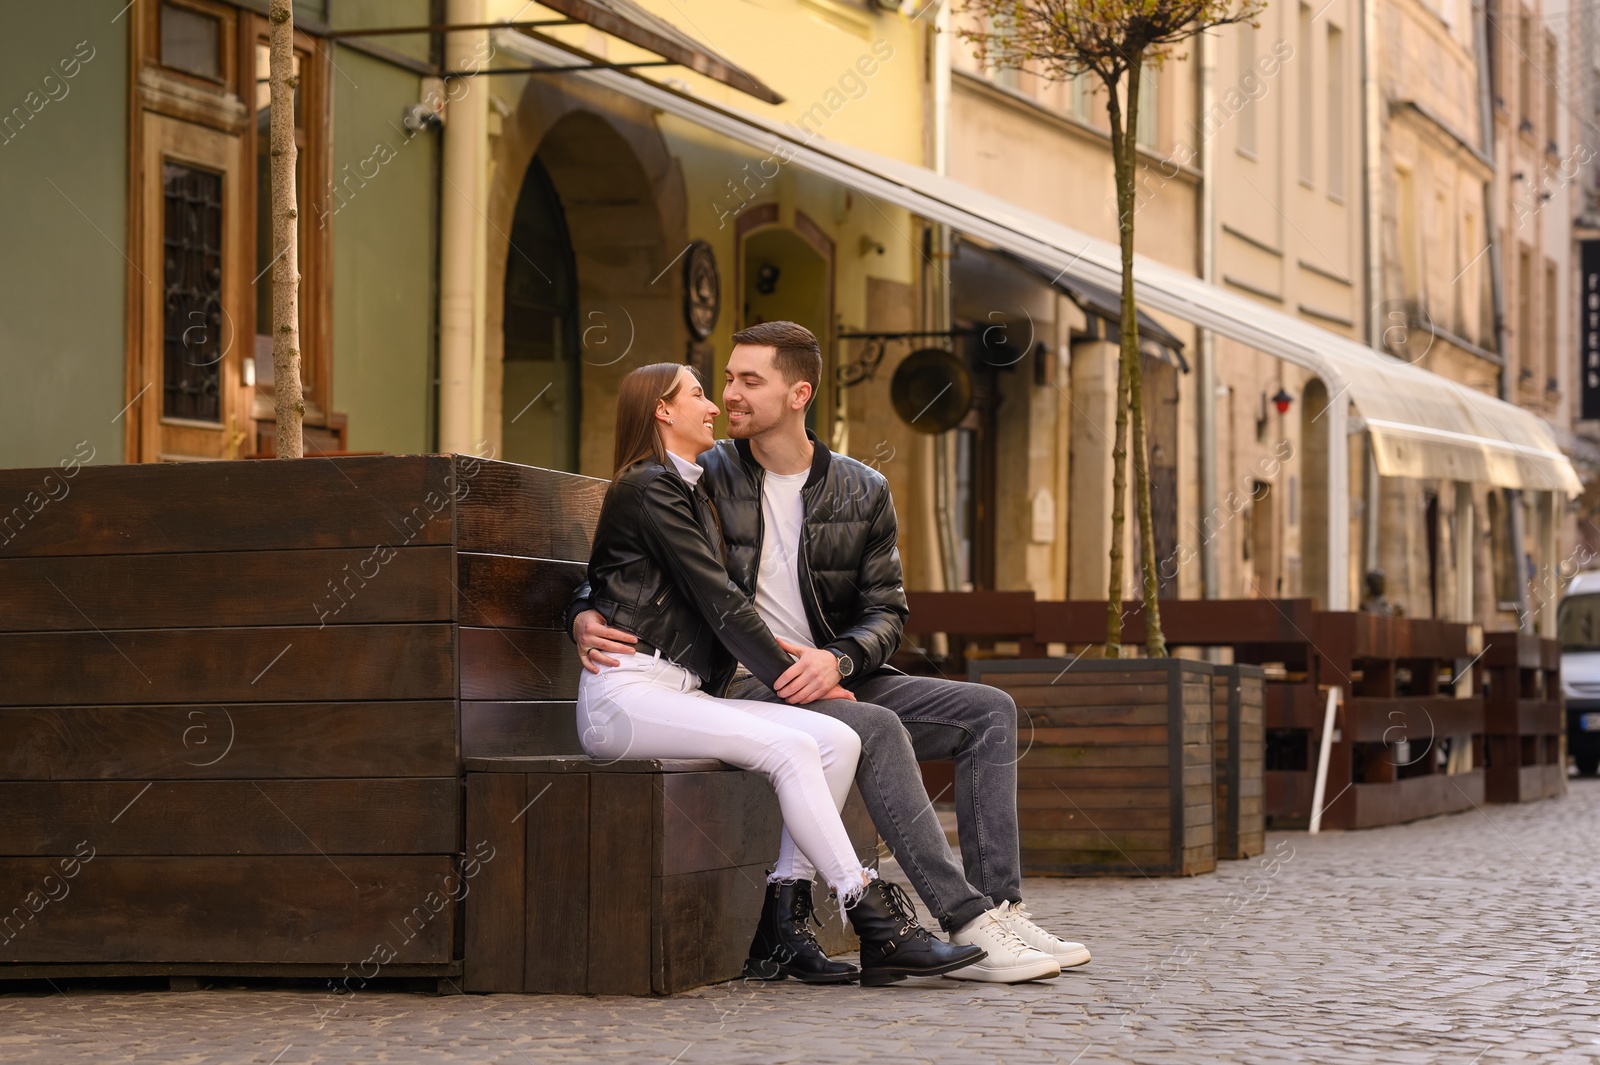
{"points": [[805, 571]]}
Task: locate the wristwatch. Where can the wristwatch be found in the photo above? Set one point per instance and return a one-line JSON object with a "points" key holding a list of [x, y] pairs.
{"points": [[846, 666]]}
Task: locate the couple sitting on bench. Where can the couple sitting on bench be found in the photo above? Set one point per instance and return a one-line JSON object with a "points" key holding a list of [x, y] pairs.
{"points": [[743, 599]]}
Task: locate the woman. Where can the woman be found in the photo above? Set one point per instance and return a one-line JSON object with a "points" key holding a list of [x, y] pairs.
{"points": [[656, 571]]}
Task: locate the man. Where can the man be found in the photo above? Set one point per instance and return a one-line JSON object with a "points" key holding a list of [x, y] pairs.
{"points": [[811, 537]]}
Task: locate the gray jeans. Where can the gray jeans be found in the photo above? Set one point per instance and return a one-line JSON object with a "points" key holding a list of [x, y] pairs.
{"points": [[902, 720]]}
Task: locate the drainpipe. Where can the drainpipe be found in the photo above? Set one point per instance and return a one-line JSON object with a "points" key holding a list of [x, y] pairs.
{"points": [[1497, 290], [465, 125], [1372, 222], [1206, 362]]}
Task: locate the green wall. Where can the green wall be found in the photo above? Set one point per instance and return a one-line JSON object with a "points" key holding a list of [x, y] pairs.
{"points": [[63, 231], [382, 213]]}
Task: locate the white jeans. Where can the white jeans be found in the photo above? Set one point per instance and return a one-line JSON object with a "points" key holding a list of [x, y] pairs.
{"points": [[646, 707]]}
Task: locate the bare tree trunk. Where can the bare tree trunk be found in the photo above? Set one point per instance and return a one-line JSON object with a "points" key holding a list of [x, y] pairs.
{"points": [[1123, 168], [288, 401]]}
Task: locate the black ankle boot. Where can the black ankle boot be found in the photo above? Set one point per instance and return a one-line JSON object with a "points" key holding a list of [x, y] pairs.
{"points": [[894, 945], [785, 945]]}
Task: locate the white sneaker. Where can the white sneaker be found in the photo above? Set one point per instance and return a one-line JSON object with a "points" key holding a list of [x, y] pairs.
{"points": [[1010, 960], [1064, 951]]}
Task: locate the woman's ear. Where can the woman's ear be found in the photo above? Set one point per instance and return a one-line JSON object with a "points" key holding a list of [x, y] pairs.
{"points": [[663, 412]]}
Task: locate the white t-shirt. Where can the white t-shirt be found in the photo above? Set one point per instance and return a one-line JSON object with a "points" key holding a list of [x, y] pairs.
{"points": [[778, 581]]}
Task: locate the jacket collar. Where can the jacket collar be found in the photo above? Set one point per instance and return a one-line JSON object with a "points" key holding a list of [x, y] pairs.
{"points": [[820, 457]]}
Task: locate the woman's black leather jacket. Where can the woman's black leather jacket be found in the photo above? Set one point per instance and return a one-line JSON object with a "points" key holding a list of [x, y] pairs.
{"points": [[656, 571]]}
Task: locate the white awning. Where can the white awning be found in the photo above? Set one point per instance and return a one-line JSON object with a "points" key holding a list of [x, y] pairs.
{"points": [[1421, 424]]}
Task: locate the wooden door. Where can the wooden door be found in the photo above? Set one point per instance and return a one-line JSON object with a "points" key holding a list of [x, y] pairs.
{"points": [[192, 404]]}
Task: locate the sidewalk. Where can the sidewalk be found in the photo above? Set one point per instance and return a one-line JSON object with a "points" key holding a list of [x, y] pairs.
{"points": [[1462, 939]]}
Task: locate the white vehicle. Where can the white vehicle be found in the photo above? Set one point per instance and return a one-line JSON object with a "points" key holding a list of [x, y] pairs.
{"points": [[1578, 628]]}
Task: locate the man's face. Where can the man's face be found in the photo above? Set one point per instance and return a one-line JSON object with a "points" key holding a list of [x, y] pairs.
{"points": [[755, 394]]}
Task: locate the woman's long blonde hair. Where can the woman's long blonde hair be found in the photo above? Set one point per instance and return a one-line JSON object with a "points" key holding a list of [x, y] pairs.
{"points": [[638, 436]]}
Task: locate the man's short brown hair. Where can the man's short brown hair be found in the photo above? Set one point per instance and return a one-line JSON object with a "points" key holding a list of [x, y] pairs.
{"points": [[798, 358]]}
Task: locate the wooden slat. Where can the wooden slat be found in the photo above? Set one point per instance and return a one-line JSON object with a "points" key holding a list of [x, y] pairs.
{"points": [[716, 821], [1072, 779], [624, 812], [518, 593], [557, 897], [490, 729], [215, 589], [279, 664], [523, 510], [1097, 819], [378, 739], [280, 909], [509, 665], [418, 815], [1094, 799], [235, 506], [495, 906], [705, 920]]}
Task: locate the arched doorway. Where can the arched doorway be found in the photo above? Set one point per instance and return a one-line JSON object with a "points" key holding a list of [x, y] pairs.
{"points": [[542, 386], [584, 199]]}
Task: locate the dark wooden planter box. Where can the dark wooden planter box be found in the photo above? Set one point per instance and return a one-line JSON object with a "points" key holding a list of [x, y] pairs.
{"points": [[1117, 764], [1524, 723], [634, 877], [1238, 706]]}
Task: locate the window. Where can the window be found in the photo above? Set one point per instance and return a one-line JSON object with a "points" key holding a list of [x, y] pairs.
{"points": [[191, 42], [1525, 311], [1410, 253], [1552, 71], [1525, 71], [1307, 97], [1148, 113], [1551, 300], [1008, 76], [1335, 112], [1248, 78], [1082, 86]]}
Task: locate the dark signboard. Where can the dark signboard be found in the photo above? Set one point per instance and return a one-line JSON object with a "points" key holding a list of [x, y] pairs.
{"points": [[1589, 330]]}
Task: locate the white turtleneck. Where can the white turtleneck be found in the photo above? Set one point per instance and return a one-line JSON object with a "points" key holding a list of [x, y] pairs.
{"points": [[689, 471]]}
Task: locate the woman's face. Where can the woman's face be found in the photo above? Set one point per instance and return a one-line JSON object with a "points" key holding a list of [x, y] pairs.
{"points": [[686, 420]]}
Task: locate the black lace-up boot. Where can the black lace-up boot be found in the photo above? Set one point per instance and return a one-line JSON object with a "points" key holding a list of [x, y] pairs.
{"points": [[894, 945], [785, 945]]}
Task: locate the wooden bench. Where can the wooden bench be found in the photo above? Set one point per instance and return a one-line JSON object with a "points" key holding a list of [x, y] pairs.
{"points": [[236, 700], [633, 877]]}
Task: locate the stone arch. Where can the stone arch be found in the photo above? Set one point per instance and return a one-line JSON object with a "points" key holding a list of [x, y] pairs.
{"points": [[623, 198]]}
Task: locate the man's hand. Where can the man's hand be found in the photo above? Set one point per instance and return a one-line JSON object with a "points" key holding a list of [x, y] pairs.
{"points": [[814, 675], [597, 641]]}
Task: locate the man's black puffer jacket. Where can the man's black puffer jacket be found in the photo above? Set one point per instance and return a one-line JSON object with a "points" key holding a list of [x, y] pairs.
{"points": [[655, 570], [850, 576]]}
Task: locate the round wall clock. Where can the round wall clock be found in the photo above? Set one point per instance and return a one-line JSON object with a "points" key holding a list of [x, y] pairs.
{"points": [[702, 289]]}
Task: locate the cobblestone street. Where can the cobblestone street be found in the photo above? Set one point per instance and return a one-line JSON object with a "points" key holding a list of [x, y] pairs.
{"points": [[1460, 939]]}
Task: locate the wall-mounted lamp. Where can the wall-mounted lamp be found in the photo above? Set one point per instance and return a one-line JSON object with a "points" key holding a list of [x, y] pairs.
{"points": [[1282, 400]]}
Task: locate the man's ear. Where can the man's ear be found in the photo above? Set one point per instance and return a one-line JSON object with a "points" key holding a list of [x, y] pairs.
{"points": [[800, 397]]}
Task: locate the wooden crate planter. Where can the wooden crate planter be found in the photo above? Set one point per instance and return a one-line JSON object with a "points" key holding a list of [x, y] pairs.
{"points": [[1524, 723], [232, 698], [635, 877], [1116, 764], [1238, 715]]}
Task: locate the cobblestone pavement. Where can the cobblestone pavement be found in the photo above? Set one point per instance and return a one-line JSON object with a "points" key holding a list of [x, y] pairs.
{"points": [[1460, 939]]}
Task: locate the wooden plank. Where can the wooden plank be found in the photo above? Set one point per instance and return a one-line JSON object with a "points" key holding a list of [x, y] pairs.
{"points": [[1081, 716], [417, 815], [1095, 757], [281, 909], [1098, 818], [1128, 839], [354, 502], [1077, 777], [1147, 684], [100, 970], [495, 908], [716, 821], [1093, 799], [556, 958], [265, 740], [218, 589], [510, 665], [512, 592], [1094, 735], [624, 819], [276, 664], [703, 924], [491, 729], [523, 510]]}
